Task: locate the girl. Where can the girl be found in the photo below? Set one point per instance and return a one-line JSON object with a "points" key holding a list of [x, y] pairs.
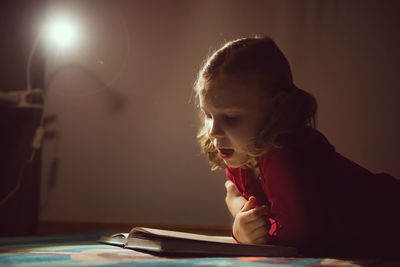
{"points": [[287, 184]]}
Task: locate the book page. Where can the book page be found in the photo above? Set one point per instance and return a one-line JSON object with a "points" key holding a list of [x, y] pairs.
{"points": [[167, 233], [118, 239], [120, 235]]}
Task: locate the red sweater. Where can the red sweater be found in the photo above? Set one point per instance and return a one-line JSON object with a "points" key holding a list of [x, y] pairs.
{"points": [[320, 201]]}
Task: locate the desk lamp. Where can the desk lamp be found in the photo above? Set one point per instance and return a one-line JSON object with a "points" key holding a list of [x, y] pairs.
{"points": [[60, 33]]}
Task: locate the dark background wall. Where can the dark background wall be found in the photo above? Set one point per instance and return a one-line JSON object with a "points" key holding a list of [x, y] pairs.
{"points": [[126, 149], [19, 172]]}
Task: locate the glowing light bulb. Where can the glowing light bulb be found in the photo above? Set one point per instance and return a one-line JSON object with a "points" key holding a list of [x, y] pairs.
{"points": [[62, 32]]}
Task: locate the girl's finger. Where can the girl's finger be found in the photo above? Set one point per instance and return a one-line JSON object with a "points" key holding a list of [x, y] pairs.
{"points": [[262, 240], [258, 233], [260, 229], [254, 214], [256, 224]]}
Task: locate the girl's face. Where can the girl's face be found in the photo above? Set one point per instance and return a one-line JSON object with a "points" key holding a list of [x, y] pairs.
{"points": [[234, 113]]}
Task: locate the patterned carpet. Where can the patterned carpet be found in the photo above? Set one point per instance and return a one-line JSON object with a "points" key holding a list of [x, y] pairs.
{"points": [[83, 250]]}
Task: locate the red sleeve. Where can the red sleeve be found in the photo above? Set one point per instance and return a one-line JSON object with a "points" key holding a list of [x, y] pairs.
{"points": [[281, 184], [234, 174]]}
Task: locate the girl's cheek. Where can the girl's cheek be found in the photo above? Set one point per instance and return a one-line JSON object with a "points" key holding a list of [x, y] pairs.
{"points": [[240, 140]]}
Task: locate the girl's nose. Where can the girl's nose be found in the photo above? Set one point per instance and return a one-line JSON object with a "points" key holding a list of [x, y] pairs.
{"points": [[215, 130]]}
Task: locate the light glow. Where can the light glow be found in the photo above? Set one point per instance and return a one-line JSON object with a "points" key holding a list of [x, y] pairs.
{"points": [[62, 32]]}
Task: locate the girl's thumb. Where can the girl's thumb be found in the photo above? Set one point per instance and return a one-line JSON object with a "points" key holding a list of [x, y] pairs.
{"points": [[250, 204]]}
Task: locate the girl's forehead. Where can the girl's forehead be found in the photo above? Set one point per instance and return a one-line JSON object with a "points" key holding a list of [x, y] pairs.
{"points": [[229, 92]]}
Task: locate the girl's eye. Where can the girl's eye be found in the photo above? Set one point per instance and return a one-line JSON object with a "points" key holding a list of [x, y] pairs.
{"points": [[231, 118]]}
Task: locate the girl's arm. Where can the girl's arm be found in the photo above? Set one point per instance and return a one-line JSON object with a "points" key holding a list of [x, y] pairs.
{"points": [[234, 199]]}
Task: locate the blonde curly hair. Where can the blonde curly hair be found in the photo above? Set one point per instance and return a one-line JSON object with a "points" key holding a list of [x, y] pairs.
{"points": [[258, 62]]}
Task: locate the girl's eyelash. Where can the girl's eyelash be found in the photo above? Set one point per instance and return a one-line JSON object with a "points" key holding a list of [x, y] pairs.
{"points": [[227, 117], [231, 117]]}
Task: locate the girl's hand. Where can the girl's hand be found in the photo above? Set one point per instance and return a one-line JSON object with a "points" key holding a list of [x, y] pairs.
{"points": [[234, 200], [250, 224]]}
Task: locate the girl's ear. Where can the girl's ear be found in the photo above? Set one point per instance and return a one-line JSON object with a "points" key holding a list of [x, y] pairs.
{"points": [[280, 96], [277, 101]]}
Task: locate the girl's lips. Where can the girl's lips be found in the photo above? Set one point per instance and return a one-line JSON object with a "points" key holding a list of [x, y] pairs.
{"points": [[225, 153]]}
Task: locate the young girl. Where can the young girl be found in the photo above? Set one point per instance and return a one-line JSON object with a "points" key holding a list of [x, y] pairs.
{"points": [[287, 184]]}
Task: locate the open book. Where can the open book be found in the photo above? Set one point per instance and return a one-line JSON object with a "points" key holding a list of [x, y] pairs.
{"points": [[172, 243]]}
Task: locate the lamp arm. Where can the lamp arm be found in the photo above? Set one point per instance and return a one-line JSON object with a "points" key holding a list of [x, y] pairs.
{"points": [[29, 62]]}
